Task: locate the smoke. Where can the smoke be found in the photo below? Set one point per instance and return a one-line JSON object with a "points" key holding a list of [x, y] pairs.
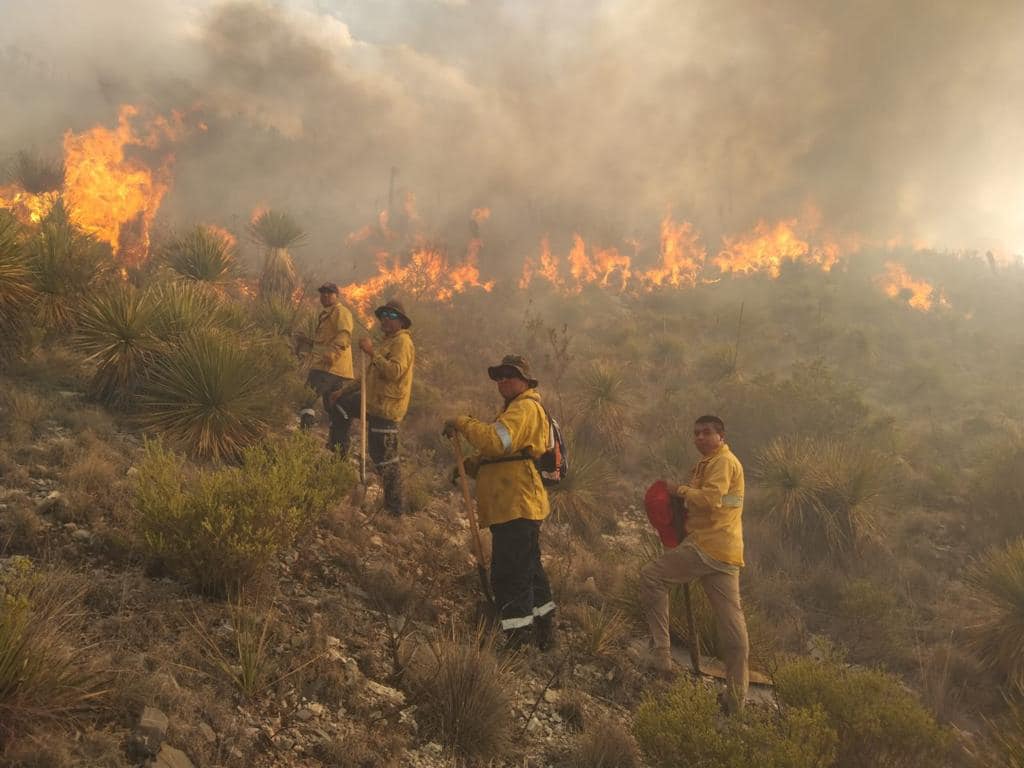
{"points": [[892, 118]]}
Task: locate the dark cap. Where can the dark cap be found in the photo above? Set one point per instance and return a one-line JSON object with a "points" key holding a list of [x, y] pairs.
{"points": [[509, 363], [394, 305], [329, 288]]}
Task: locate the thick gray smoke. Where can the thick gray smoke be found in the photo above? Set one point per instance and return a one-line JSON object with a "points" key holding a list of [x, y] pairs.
{"points": [[894, 118]]}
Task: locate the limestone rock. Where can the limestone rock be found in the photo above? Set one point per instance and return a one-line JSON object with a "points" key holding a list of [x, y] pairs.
{"points": [[169, 757], [152, 728]]}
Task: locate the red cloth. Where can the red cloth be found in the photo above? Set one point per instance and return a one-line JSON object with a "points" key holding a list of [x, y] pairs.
{"points": [[660, 511]]}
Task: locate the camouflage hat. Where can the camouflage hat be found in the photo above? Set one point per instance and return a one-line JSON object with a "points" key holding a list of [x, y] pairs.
{"points": [[510, 364], [393, 306]]}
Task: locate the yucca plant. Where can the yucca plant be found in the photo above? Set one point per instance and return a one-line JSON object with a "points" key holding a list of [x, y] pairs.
{"points": [[203, 255], [602, 400], [581, 500], [823, 493], [604, 630], [996, 583], [16, 294], [37, 174], [115, 331], [1001, 745], [181, 307], [277, 232], [208, 393], [65, 264], [278, 315]]}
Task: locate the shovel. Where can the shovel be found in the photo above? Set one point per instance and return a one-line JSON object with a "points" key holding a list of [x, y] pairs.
{"points": [[478, 549], [359, 491]]}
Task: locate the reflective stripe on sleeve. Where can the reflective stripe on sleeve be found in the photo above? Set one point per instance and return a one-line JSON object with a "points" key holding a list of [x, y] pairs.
{"points": [[504, 436], [732, 500]]}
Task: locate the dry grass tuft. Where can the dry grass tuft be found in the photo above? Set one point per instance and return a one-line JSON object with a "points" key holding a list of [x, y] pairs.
{"points": [[604, 744], [464, 696], [46, 673], [996, 584], [604, 630]]}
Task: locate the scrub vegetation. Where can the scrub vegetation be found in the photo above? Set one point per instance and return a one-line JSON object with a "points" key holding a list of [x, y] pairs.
{"points": [[168, 540]]}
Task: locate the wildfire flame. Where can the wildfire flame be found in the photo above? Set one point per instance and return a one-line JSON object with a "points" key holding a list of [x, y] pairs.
{"points": [[27, 207], [898, 284], [112, 195]]}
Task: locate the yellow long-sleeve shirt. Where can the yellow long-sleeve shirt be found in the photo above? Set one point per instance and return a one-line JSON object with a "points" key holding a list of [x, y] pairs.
{"points": [[714, 506], [332, 342], [389, 377], [509, 490]]}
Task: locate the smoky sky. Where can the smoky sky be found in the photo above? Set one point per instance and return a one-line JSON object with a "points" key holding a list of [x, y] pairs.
{"points": [[893, 118]]}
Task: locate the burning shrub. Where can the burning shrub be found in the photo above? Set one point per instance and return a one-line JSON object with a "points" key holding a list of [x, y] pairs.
{"points": [[219, 528], [996, 582], [681, 727], [65, 264], [37, 175], [879, 722]]}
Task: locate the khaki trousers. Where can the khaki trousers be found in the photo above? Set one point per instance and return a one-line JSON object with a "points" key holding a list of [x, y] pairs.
{"points": [[681, 566]]}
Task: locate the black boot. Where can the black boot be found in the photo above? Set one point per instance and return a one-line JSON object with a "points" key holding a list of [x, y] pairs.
{"points": [[514, 639], [544, 631]]}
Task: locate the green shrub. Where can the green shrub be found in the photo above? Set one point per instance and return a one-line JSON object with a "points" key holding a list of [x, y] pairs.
{"points": [[872, 624], [684, 727], [996, 583], [879, 722], [45, 667], [219, 528]]}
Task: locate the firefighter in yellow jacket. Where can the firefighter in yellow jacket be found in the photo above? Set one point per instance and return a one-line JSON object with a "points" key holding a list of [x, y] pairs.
{"points": [[711, 552], [331, 355], [512, 501], [388, 391]]}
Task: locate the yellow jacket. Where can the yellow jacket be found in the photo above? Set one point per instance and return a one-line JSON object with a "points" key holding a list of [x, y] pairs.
{"points": [[714, 506], [332, 342], [389, 377], [508, 490]]}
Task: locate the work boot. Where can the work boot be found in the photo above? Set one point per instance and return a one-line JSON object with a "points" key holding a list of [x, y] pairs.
{"points": [[307, 418], [659, 660], [544, 631], [514, 639]]}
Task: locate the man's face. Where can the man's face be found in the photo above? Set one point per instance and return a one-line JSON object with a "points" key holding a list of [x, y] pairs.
{"points": [[327, 299], [510, 385], [707, 438], [390, 325]]}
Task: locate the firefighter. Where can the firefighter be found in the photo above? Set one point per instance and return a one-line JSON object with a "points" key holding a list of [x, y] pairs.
{"points": [[388, 391], [331, 365], [711, 552], [512, 501]]}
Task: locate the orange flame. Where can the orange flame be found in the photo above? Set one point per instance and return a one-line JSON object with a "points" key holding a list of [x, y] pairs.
{"points": [[481, 215], [898, 284], [682, 255], [27, 207], [113, 196]]}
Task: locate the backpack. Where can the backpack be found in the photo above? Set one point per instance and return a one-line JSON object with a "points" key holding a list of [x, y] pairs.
{"points": [[553, 464]]}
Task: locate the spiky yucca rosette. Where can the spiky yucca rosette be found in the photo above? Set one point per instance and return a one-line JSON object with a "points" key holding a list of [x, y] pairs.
{"points": [[203, 255], [16, 294], [277, 232]]}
